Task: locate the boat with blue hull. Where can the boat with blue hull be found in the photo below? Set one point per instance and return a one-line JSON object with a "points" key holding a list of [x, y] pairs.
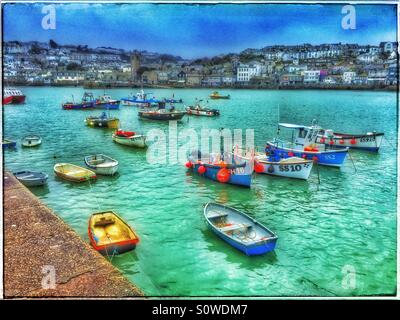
{"points": [[239, 230], [304, 145], [229, 168], [89, 102], [142, 99]]}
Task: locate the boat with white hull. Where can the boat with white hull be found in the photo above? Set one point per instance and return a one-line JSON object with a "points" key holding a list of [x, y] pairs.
{"points": [[371, 141], [293, 167], [102, 164], [129, 138]]}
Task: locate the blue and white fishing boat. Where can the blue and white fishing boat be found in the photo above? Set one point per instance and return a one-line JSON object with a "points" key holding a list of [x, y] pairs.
{"points": [[304, 145], [142, 99], [223, 167], [239, 230]]}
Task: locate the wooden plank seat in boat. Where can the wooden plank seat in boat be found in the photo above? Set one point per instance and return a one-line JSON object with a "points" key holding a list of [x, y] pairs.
{"points": [[217, 214], [95, 162], [235, 227]]}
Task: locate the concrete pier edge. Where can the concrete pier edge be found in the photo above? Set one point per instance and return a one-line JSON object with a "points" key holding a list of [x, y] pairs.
{"points": [[44, 257]]}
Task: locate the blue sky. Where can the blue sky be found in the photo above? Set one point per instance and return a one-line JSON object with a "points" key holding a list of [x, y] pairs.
{"points": [[198, 30]]}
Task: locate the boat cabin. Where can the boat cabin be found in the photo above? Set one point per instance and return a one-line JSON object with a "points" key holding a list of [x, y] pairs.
{"points": [[302, 135]]}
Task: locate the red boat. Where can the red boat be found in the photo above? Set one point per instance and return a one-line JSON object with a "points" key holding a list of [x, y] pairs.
{"points": [[13, 96]]}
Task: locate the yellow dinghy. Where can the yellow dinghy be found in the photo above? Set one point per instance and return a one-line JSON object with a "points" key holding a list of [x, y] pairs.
{"points": [[73, 173], [109, 234]]}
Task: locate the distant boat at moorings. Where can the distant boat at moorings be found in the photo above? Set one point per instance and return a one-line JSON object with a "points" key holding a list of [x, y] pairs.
{"points": [[71, 172], [304, 145], [13, 96], [142, 99], [110, 234], [197, 110], [370, 141], [87, 102], [31, 178], [102, 121], [106, 102], [293, 167], [228, 168], [102, 164], [31, 141], [161, 113], [129, 138], [8, 144], [239, 230], [215, 95]]}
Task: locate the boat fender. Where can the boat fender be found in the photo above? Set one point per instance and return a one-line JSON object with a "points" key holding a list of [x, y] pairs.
{"points": [[353, 141], [188, 165], [201, 169], [258, 167], [341, 141], [322, 140], [223, 175], [270, 169], [331, 142]]}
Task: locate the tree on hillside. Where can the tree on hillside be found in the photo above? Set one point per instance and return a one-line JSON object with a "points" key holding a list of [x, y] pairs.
{"points": [[53, 44], [72, 66]]}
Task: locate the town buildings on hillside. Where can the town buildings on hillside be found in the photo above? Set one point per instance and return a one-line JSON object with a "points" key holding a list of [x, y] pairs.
{"points": [[326, 65]]}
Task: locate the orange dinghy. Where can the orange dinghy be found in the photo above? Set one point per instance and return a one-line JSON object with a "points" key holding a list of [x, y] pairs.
{"points": [[110, 235]]}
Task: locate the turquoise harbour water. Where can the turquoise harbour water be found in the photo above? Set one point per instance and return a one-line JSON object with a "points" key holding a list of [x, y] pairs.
{"points": [[347, 223]]}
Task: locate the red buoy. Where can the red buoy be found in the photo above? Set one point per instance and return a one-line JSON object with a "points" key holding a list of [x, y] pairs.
{"points": [[188, 164], [331, 142], [315, 158], [341, 141], [353, 141], [201, 170], [258, 167], [290, 154], [322, 140], [223, 175]]}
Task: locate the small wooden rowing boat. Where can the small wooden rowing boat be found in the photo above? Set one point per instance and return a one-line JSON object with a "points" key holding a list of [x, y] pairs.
{"points": [[31, 141], [8, 144], [239, 230], [102, 121], [216, 95], [292, 167], [31, 178], [102, 164], [129, 138], [370, 141], [110, 234], [73, 173]]}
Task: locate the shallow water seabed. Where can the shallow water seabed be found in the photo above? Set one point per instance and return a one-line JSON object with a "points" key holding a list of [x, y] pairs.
{"points": [[336, 238]]}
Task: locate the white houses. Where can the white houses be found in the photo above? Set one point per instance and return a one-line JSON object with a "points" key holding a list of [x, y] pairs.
{"points": [[246, 72], [311, 76], [348, 76]]}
